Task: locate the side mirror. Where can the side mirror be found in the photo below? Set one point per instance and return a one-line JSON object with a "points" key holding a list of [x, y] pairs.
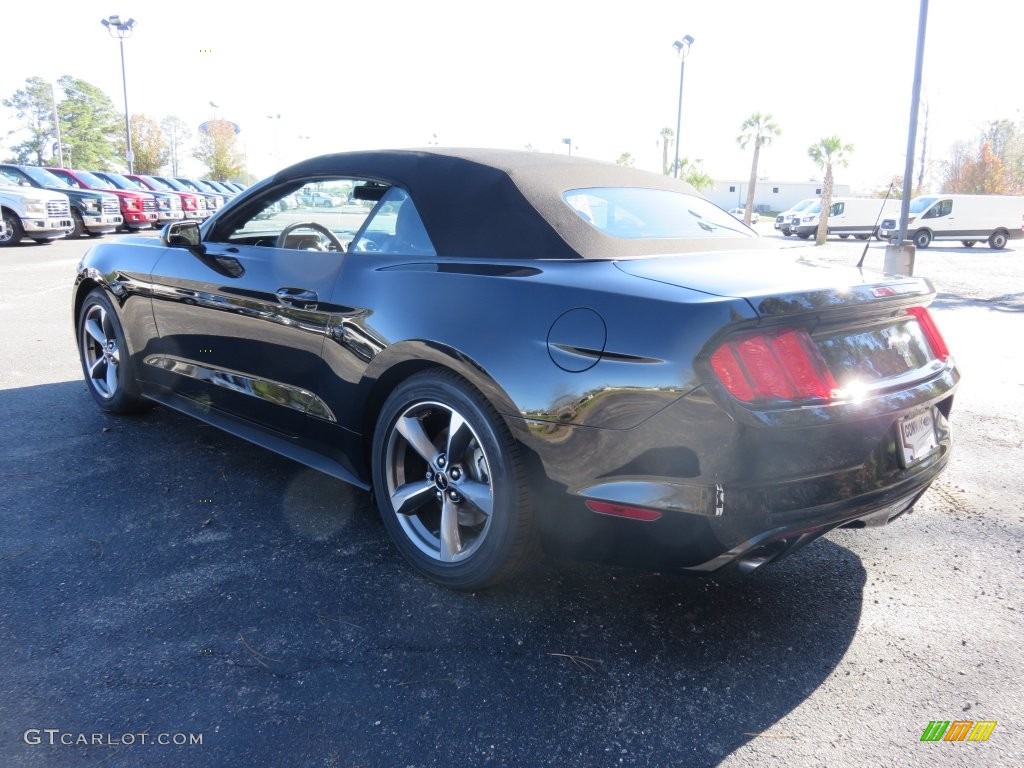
{"points": [[181, 234]]}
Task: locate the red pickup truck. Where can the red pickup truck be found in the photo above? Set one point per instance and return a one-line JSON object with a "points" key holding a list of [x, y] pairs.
{"points": [[137, 208]]}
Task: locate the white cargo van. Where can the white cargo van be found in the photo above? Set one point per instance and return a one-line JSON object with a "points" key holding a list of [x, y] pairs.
{"points": [[967, 218], [783, 219], [857, 216]]}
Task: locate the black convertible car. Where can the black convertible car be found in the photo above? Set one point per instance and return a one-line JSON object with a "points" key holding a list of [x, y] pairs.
{"points": [[512, 348]]}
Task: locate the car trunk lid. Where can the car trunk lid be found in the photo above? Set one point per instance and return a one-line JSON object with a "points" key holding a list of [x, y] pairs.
{"points": [[823, 332]]}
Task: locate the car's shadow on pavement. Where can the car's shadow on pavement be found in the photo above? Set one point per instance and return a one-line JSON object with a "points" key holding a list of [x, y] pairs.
{"points": [[159, 576]]}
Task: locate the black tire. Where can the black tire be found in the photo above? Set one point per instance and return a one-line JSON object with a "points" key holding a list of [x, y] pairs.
{"points": [[922, 238], [844, 236], [862, 237], [491, 534], [998, 240], [108, 370], [968, 243], [802, 236], [14, 230], [79, 229]]}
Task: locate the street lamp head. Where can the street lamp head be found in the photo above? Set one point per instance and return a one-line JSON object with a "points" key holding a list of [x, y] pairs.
{"points": [[118, 28], [683, 46]]}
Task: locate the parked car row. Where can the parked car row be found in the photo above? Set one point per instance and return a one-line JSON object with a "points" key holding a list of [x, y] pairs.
{"points": [[46, 204], [971, 219]]}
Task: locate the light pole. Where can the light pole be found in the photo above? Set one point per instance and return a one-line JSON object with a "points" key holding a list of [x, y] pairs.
{"points": [[121, 30], [277, 152], [683, 49]]}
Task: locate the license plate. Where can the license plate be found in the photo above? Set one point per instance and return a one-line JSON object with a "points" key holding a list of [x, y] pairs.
{"points": [[918, 438]]}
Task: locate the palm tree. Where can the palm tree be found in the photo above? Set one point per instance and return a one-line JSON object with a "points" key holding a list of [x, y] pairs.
{"points": [[667, 136], [827, 153], [760, 130]]}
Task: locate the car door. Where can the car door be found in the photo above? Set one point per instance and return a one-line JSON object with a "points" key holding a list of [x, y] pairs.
{"points": [[243, 317]]}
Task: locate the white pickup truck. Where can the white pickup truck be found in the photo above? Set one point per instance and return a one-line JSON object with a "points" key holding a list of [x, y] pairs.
{"points": [[39, 214]]}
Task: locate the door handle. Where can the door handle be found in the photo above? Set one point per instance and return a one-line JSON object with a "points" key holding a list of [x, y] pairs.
{"points": [[300, 298]]}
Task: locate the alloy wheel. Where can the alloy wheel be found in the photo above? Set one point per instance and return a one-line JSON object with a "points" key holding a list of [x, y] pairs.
{"points": [[101, 351], [439, 481]]}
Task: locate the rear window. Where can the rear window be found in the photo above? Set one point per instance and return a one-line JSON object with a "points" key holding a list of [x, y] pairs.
{"points": [[635, 213]]}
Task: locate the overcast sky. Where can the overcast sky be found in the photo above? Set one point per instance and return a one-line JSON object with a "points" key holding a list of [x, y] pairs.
{"points": [[346, 75]]}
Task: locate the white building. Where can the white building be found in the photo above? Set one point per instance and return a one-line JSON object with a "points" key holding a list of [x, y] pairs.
{"points": [[768, 195]]}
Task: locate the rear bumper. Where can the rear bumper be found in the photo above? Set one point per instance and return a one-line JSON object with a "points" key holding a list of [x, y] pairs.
{"points": [[734, 493]]}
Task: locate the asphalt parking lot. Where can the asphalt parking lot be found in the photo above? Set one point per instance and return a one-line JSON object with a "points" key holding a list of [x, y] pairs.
{"points": [[163, 584]]}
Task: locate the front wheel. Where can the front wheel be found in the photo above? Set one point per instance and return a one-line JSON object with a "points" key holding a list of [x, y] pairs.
{"points": [[862, 237], [998, 240], [450, 483], [843, 237], [803, 236], [79, 222], [104, 355], [13, 231], [922, 238]]}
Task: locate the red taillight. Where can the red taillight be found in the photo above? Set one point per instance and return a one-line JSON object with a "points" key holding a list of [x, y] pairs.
{"points": [[621, 510], [781, 365], [931, 332]]}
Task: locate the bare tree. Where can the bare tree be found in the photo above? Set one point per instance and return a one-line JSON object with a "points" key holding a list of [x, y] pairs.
{"points": [[926, 108], [177, 133]]}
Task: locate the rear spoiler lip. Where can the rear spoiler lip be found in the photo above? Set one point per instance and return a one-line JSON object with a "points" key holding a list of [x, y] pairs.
{"points": [[893, 294]]}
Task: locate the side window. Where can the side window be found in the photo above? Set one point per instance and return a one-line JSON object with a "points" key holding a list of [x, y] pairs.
{"points": [[945, 208], [320, 215], [11, 177], [837, 209], [396, 227]]}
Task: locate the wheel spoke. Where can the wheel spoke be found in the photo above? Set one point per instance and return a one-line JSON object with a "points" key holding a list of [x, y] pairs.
{"points": [[451, 543], [478, 494], [412, 430], [96, 369], [111, 379], [93, 329], [407, 499], [459, 435]]}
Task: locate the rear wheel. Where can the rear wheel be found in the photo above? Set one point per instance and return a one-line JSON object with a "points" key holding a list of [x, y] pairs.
{"points": [[844, 236], [968, 243], [862, 237], [105, 360], [450, 484], [998, 240], [922, 238]]}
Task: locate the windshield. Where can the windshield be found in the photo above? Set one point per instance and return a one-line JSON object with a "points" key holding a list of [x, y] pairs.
{"points": [[803, 205], [165, 184], [121, 182], [44, 177], [919, 204], [94, 181], [194, 186], [637, 213], [814, 207]]}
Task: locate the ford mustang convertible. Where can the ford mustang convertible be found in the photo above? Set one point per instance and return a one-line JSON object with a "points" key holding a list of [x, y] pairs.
{"points": [[514, 350]]}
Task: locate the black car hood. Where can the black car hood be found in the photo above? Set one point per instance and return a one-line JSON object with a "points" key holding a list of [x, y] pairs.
{"points": [[777, 282]]}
